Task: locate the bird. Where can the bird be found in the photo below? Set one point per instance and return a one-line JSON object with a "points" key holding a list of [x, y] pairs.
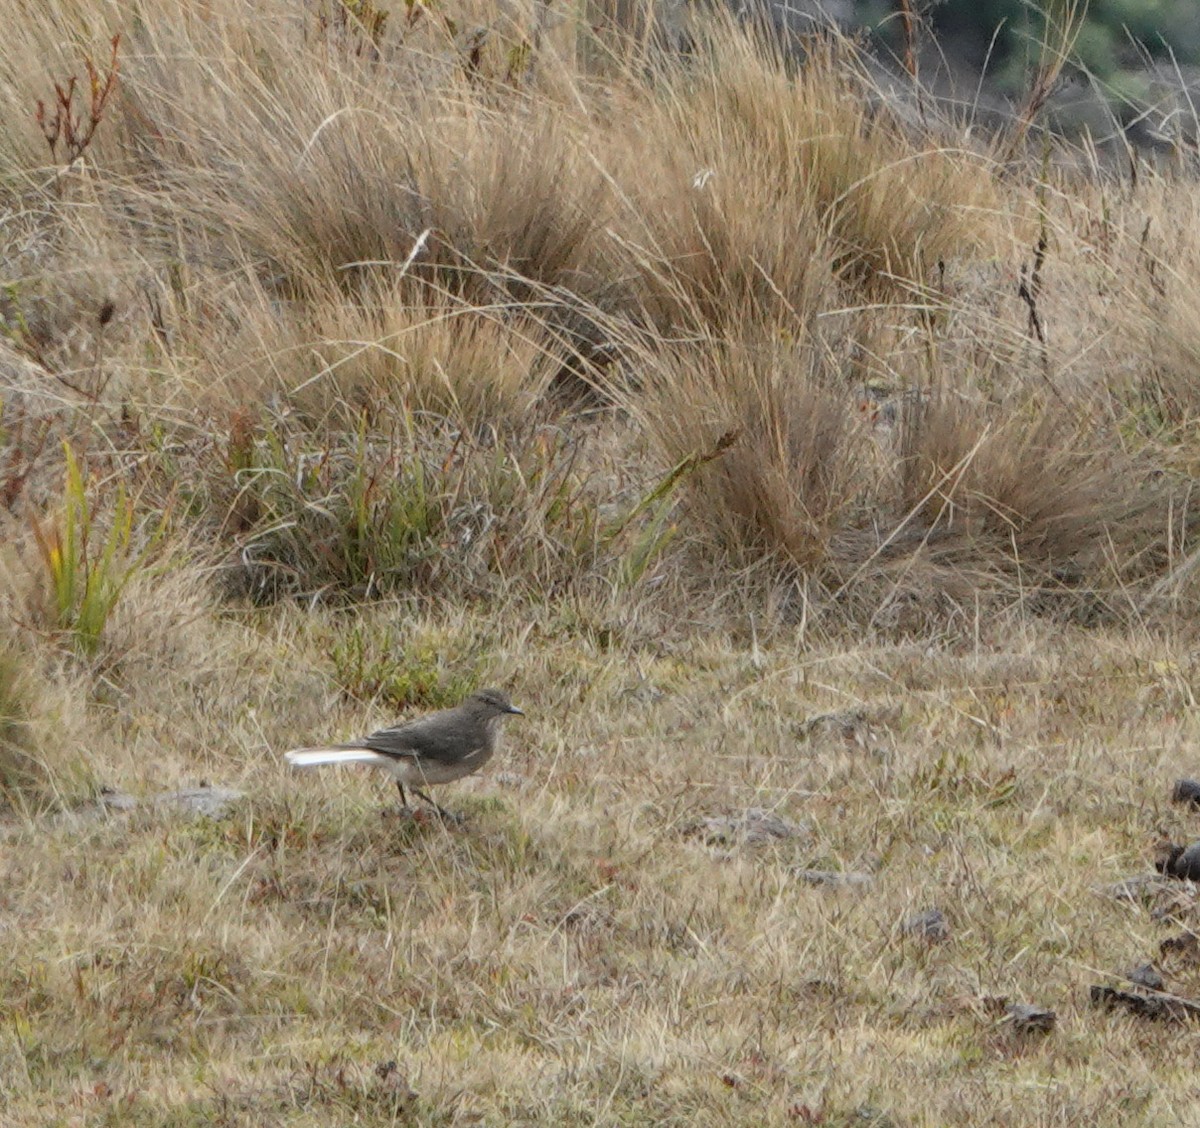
{"points": [[438, 748]]}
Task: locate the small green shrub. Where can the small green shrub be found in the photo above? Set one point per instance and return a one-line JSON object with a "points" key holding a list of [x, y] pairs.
{"points": [[424, 507], [404, 673], [88, 567]]}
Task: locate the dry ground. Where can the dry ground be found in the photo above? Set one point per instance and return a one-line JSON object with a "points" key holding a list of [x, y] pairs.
{"points": [[781, 450], [580, 951]]}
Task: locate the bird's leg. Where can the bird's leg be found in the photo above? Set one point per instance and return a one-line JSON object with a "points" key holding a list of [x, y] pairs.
{"points": [[447, 816], [403, 797]]}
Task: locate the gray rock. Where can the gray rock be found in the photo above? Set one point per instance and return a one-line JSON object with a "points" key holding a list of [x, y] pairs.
{"points": [[1144, 888], [858, 727], [1027, 1019], [211, 802], [120, 801], [847, 725], [930, 925], [753, 827], [1146, 975], [835, 879], [1186, 791], [1180, 861], [873, 1116]]}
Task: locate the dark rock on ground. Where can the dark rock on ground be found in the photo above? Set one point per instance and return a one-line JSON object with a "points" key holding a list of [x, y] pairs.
{"points": [[1179, 861], [1183, 946], [930, 925], [1025, 1018], [1146, 975], [1186, 791], [1153, 1005]]}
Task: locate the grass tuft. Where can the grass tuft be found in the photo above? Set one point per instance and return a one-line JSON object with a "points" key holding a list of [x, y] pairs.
{"points": [[88, 567], [22, 773]]}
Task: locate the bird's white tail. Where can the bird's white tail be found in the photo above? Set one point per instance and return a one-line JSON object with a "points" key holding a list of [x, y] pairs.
{"points": [[314, 757]]}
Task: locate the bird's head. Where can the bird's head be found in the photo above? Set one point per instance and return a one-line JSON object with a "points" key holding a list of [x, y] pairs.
{"points": [[494, 702]]}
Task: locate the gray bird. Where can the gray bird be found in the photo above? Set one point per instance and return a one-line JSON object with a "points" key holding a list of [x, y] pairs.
{"points": [[444, 746]]}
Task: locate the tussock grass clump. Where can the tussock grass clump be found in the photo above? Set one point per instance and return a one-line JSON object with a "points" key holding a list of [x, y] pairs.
{"points": [[779, 181], [1027, 480], [384, 353], [1020, 494], [1157, 263], [787, 480], [430, 507], [332, 168]]}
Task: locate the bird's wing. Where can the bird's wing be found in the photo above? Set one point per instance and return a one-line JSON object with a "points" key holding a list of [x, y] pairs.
{"points": [[423, 739]]}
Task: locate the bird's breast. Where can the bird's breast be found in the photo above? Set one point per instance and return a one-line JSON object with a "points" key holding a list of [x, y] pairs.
{"points": [[418, 771]]}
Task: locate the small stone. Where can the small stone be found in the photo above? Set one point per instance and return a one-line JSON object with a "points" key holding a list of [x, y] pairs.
{"points": [[931, 925], [1184, 945], [211, 802], [1162, 896], [1143, 887], [867, 729], [837, 879], [116, 800], [1027, 1019], [1146, 975], [875, 1117], [1186, 791], [848, 725], [1179, 861], [1155, 1006], [645, 693], [753, 827]]}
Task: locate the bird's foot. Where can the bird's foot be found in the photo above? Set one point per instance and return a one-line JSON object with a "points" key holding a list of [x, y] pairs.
{"points": [[423, 815], [404, 811], [446, 816]]}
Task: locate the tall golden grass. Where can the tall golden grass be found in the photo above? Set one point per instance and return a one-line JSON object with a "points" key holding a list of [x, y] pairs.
{"points": [[373, 229]]}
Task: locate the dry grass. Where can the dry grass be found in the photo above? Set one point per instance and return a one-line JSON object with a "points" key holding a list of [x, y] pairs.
{"points": [[578, 954], [689, 399]]}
